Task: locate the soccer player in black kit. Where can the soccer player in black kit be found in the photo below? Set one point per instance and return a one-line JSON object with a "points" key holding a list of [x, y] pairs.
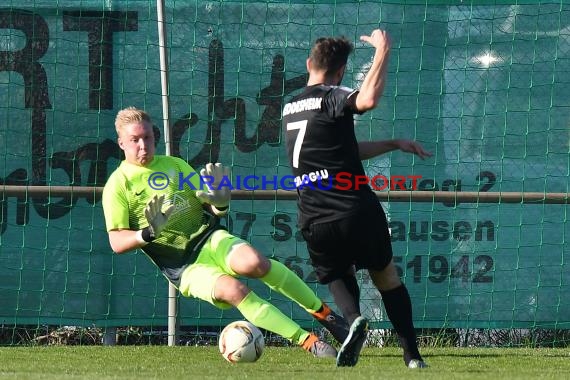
{"points": [[344, 226]]}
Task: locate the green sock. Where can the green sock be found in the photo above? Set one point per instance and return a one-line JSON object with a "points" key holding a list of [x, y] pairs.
{"points": [[283, 280], [263, 314]]}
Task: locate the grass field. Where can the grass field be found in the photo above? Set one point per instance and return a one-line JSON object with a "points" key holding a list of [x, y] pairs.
{"points": [[161, 362]]}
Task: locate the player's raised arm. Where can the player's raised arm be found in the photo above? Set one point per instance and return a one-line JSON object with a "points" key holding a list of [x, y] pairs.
{"points": [[375, 80]]}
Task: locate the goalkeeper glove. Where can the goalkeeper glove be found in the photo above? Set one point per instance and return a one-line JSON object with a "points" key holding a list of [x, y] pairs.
{"points": [[156, 219], [215, 195]]}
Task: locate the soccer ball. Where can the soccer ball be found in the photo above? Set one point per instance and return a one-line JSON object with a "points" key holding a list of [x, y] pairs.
{"points": [[241, 342]]}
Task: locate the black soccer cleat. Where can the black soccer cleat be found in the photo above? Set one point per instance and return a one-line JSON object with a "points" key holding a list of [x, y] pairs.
{"points": [[350, 351]]}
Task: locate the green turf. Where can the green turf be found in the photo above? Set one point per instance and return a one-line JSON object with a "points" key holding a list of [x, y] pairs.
{"points": [[160, 362]]}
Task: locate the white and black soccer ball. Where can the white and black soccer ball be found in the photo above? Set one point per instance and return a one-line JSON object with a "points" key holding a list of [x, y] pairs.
{"points": [[241, 342]]}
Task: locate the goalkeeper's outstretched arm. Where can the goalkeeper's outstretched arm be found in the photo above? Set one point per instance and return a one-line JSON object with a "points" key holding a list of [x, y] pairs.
{"points": [[125, 240]]}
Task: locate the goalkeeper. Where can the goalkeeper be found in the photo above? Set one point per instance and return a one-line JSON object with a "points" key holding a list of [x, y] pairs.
{"points": [[179, 231]]}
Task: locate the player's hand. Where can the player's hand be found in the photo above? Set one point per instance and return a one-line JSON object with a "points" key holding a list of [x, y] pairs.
{"points": [[214, 194], [155, 216], [413, 147], [379, 39]]}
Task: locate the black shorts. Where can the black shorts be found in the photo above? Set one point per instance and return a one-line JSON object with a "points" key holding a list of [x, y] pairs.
{"points": [[362, 240]]}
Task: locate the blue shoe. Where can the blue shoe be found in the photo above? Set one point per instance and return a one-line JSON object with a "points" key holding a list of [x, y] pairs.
{"points": [[350, 351]]}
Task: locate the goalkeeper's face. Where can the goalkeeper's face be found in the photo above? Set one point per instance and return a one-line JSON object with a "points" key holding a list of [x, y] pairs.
{"points": [[137, 141]]}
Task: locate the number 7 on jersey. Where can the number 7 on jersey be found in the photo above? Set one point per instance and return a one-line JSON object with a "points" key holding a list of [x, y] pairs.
{"points": [[302, 127]]}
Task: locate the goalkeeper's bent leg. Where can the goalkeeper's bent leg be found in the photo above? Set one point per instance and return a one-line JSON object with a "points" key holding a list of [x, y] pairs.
{"points": [[285, 281], [265, 315]]}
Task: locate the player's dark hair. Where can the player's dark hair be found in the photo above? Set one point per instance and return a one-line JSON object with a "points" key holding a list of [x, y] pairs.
{"points": [[331, 53]]}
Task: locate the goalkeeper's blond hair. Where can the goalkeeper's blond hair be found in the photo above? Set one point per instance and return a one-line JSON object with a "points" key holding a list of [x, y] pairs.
{"points": [[128, 116]]}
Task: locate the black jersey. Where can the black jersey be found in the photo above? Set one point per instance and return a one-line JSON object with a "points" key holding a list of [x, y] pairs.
{"points": [[323, 154]]}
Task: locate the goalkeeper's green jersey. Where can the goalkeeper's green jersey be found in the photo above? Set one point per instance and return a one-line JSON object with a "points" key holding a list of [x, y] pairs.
{"points": [[127, 192]]}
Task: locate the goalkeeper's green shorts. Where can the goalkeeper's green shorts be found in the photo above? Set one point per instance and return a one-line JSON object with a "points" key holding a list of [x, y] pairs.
{"points": [[198, 279]]}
